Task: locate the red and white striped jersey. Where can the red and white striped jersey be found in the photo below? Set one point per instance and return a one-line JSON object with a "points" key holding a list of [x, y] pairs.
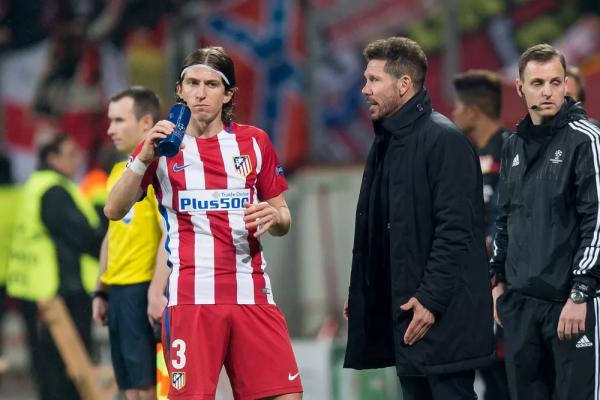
{"points": [[201, 193]]}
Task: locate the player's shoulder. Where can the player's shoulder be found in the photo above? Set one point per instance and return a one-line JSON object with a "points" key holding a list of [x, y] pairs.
{"points": [[243, 130]]}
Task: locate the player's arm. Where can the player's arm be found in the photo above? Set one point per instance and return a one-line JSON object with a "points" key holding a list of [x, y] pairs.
{"points": [[272, 215], [128, 190], [157, 301], [123, 195]]}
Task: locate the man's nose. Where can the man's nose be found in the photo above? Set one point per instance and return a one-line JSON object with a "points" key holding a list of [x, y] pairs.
{"points": [[201, 91], [366, 90], [546, 90]]}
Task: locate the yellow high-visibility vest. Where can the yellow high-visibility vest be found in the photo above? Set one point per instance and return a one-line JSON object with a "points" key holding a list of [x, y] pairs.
{"points": [[9, 197], [33, 272]]}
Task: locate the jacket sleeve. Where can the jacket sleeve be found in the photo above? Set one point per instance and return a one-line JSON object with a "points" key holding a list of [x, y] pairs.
{"points": [[454, 179], [586, 267], [67, 224], [500, 244]]}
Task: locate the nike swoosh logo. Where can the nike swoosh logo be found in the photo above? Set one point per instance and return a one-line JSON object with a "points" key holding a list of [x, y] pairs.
{"points": [[178, 168], [292, 377]]}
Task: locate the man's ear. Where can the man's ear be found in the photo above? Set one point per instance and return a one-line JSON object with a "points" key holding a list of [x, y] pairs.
{"points": [[146, 122], [228, 95], [404, 84], [519, 86]]}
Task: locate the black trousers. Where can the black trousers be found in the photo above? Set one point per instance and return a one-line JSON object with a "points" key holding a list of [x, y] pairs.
{"points": [[494, 376], [48, 368], [538, 364], [456, 386]]}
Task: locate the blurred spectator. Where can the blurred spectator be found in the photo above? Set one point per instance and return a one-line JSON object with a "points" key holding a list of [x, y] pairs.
{"points": [[118, 21], [575, 84], [477, 113], [71, 73], [14, 33], [477, 109], [56, 231]]}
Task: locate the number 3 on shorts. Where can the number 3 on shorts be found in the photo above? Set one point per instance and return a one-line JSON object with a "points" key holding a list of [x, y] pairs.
{"points": [[178, 362]]}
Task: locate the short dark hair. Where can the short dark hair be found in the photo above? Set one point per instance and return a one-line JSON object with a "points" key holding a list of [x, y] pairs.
{"points": [[51, 146], [541, 53], [573, 72], [482, 89], [145, 101], [402, 56], [217, 58]]}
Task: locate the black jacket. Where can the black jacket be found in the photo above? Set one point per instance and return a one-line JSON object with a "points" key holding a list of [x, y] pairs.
{"points": [[433, 248], [72, 236], [548, 226]]}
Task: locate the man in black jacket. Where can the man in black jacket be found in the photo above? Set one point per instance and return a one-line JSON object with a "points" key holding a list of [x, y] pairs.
{"points": [[545, 261], [418, 296]]}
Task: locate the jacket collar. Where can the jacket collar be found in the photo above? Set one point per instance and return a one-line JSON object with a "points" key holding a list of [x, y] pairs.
{"points": [[417, 106], [569, 111]]}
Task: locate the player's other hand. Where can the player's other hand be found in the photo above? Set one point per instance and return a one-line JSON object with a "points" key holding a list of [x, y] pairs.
{"points": [[156, 306], [260, 216], [100, 311]]}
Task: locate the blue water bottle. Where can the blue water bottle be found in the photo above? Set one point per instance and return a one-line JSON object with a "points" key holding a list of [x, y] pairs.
{"points": [[180, 116]]}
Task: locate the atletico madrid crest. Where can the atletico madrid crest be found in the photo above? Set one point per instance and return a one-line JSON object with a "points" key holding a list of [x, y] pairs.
{"points": [[242, 164], [178, 380]]}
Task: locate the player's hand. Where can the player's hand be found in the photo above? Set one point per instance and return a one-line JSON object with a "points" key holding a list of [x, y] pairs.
{"points": [[260, 216], [497, 291], [100, 310], [421, 321], [571, 323], [346, 309], [149, 151], [156, 306]]}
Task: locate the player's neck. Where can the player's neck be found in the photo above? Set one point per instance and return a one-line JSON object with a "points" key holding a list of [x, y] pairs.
{"points": [[205, 129], [483, 132]]}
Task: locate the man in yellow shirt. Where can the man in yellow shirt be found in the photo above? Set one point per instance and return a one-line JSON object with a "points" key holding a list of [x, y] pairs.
{"points": [[133, 264]]}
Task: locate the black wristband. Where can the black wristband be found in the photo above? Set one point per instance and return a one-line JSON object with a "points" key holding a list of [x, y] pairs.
{"points": [[100, 293]]}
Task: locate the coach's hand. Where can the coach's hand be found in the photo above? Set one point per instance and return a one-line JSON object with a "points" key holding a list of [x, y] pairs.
{"points": [[571, 323], [421, 321], [100, 310]]}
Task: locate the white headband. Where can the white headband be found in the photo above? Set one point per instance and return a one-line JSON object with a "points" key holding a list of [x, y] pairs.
{"points": [[206, 66]]}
